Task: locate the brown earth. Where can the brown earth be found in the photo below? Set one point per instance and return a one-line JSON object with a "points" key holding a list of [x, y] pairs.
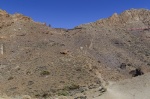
{"points": [[42, 61]]}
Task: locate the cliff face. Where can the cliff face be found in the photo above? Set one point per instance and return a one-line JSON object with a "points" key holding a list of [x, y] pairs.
{"points": [[45, 61]]}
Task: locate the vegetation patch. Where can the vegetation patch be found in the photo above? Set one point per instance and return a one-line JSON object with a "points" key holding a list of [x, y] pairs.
{"points": [[43, 73], [63, 93], [72, 87]]}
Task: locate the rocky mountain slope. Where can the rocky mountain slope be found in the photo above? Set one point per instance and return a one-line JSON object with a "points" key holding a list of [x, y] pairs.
{"points": [[41, 61]]}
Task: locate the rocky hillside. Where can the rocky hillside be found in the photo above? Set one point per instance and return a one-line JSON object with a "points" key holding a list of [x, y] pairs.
{"points": [[41, 61], [127, 19]]}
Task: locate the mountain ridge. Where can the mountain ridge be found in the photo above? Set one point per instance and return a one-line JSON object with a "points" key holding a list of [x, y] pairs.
{"points": [[125, 18]]}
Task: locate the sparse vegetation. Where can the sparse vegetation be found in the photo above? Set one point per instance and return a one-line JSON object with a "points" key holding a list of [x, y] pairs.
{"points": [[45, 73], [148, 64], [147, 53], [10, 78], [73, 87], [63, 93]]}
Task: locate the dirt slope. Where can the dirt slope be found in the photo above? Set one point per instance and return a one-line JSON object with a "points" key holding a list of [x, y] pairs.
{"points": [[136, 88], [41, 61]]}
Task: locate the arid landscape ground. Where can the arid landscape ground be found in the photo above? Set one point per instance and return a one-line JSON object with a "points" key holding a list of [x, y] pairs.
{"points": [[91, 61]]}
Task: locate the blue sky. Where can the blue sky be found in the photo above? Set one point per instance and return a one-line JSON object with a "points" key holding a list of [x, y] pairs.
{"points": [[70, 13]]}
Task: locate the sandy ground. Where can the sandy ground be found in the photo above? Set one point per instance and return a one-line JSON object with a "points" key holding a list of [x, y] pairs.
{"points": [[136, 88]]}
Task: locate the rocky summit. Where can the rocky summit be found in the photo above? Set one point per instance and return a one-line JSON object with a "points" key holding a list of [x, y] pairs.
{"points": [[41, 62]]}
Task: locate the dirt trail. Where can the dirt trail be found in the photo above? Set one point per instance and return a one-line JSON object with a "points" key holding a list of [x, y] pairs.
{"points": [[136, 88]]}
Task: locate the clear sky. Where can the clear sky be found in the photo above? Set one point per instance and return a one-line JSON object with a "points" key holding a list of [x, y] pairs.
{"points": [[70, 13]]}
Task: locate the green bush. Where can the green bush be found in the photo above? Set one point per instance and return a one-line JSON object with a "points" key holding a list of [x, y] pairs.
{"points": [[45, 73], [63, 93], [71, 87]]}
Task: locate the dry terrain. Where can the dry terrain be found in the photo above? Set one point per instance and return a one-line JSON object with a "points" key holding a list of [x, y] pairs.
{"points": [[42, 62]]}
